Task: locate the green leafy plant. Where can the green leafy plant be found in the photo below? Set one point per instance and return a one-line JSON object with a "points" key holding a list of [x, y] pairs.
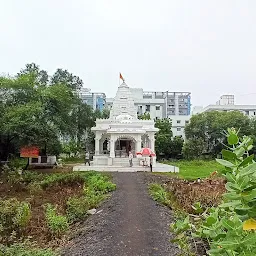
{"points": [[230, 227], [63, 179], [159, 194], [182, 230], [94, 191], [14, 215], [25, 248], [77, 208], [57, 224], [100, 184]]}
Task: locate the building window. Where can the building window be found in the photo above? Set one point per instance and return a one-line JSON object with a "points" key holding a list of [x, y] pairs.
{"points": [[254, 113], [148, 108], [157, 107], [178, 121], [186, 121], [178, 129]]}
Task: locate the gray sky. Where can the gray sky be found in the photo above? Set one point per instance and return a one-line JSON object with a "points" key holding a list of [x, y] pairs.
{"points": [[207, 47]]}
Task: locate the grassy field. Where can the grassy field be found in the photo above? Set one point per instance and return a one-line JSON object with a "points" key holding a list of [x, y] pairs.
{"points": [[191, 170]]}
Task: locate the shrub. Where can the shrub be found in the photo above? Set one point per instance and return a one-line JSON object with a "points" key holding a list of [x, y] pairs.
{"points": [[30, 176], [159, 194], [13, 177], [57, 224], [77, 208], [96, 186], [24, 249], [63, 179], [17, 163], [100, 184], [14, 215], [34, 188], [230, 227]]}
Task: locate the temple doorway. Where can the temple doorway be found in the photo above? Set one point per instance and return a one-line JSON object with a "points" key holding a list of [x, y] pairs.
{"points": [[123, 146]]}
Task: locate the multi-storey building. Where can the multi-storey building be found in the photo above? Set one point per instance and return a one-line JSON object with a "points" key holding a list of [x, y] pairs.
{"points": [[96, 100], [172, 105], [227, 103]]}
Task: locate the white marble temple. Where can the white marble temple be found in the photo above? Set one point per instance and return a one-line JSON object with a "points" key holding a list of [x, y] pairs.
{"points": [[122, 132]]}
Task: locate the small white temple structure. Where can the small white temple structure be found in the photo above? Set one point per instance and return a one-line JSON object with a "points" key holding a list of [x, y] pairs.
{"points": [[122, 132]]}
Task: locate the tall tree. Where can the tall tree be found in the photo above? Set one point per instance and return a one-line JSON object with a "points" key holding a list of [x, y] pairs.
{"points": [[41, 75], [210, 126], [64, 77], [163, 137], [34, 113]]}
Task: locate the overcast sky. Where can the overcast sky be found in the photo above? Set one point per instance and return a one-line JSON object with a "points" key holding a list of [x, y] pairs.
{"points": [[207, 47]]}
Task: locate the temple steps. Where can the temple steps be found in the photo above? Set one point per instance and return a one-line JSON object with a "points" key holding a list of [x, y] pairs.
{"points": [[124, 162]]}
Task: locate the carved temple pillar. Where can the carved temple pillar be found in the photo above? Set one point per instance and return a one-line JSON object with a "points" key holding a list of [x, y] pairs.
{"points": [[97, 143], [152, 142], [112, 146], [138, 144]]}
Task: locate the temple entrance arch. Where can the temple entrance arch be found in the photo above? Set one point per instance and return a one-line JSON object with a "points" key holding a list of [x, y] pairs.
{"points": [[123, 145]]}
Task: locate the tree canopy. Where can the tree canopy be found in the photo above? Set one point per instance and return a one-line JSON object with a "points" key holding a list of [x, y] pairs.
{"points": [[39, 110], [166, 146], [205, 131]]}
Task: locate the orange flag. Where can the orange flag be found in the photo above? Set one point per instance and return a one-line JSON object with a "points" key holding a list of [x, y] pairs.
{"points": [[121, 77]]}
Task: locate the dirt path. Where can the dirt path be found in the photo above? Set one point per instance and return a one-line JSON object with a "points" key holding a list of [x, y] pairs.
{"points": [[130, 223]]}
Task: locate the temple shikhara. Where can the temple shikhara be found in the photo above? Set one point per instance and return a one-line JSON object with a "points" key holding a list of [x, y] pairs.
{"points": [[122, 132]]}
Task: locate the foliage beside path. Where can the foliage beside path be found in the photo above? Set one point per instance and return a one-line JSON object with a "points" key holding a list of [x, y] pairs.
{"points": [[227, 227], [37, 210]]}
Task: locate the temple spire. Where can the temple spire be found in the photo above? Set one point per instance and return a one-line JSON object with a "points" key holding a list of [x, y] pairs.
{"points": [[123, 102]]}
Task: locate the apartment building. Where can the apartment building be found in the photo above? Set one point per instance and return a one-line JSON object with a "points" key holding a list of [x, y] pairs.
{"points": [[96, 100], [227, 103]]}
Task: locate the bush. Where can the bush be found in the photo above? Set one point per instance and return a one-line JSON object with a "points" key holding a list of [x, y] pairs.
{"points": [[30, 176], [229, 228], [57, 224], [63, 179], [96, 186], [100, 184], [14, 215], [17, 163], [159, 194], [24, 249], [77, 208]]}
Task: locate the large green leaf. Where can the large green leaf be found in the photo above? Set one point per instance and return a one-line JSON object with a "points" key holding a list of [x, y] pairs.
{"points": [[249, 195], [247, 160], [233, 139], [228, 224], [234, 203], [248, 170], [232, 196], [225, 163], [230, 177], [228, 155], [243, 182], [239, 152]]}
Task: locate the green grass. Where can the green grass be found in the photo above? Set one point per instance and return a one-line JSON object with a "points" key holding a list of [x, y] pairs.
{"points": [[191, 170], [73, 160]]}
